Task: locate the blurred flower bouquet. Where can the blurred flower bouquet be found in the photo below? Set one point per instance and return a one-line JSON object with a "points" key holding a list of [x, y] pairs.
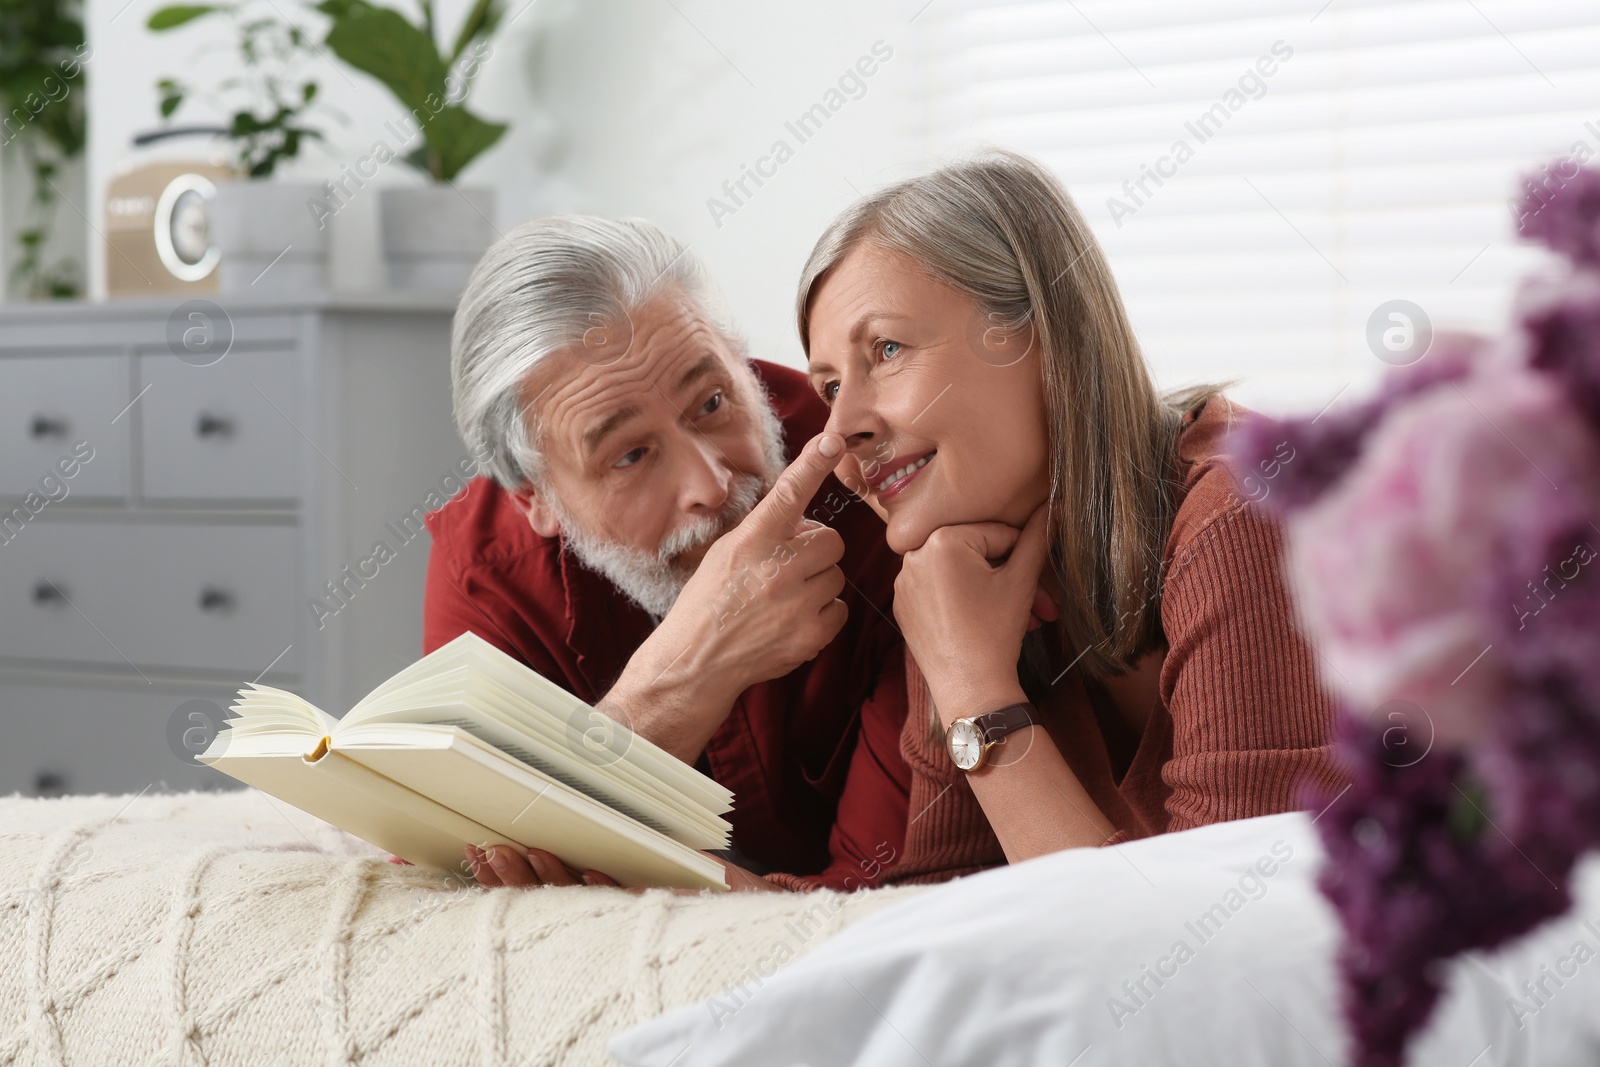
{"points": [[1442, 540]]}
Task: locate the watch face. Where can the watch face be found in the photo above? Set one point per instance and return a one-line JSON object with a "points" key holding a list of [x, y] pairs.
{"points": [[965, 742]]}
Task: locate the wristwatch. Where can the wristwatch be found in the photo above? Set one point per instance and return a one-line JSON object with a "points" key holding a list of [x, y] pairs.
{"points": [[969, 740]]}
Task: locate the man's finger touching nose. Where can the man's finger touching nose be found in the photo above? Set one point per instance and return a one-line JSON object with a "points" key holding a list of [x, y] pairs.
{"points": [[781, 510]]}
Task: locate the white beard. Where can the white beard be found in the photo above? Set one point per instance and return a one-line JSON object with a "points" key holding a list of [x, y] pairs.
{"points": [[653, 580]]}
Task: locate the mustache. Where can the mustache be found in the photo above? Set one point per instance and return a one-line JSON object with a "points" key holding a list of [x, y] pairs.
{"points": [[746, 491]]}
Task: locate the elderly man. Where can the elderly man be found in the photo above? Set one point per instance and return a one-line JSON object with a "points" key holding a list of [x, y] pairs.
{"points": [[639, 542]]}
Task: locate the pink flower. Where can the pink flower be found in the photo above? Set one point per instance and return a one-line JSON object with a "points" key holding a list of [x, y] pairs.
{"points": [[1394, 565]]}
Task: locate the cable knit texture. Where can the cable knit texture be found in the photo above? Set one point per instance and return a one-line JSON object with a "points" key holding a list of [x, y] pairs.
{"points": [[1235, 718], [228, 929]]}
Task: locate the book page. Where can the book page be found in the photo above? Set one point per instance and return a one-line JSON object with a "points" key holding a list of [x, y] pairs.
{"points": [[352, 797], [476, 687], [499, 792]]}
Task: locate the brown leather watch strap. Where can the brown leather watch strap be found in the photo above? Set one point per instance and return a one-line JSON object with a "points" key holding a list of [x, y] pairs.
{"points": [[996, 724]]}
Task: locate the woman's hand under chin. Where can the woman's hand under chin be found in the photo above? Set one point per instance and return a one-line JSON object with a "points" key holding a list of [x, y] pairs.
{"points": [[964, 612]]}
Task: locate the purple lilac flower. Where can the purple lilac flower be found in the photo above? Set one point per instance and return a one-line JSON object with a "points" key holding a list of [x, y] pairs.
{"points": [[1417, 875], [1561, 209], [1475, 843], [1561, 323]]}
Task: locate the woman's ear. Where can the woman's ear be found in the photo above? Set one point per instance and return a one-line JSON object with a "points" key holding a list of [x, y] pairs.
{"points": [[540, 515]]}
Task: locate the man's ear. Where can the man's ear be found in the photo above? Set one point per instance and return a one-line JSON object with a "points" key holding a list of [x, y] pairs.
{"points": [[540, 516]]}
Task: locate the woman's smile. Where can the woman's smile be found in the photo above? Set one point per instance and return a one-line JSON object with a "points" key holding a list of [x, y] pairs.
{"points": [[892, 484]]}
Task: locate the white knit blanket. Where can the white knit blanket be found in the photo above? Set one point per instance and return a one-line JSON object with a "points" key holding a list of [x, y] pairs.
{"points": [[228, 929]]}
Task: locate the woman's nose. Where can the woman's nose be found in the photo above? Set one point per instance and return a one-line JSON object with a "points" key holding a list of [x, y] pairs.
{"points": [[852, 418]]}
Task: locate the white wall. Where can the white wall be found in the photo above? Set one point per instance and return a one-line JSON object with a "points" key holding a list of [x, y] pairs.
{"points": [[655, 120]]}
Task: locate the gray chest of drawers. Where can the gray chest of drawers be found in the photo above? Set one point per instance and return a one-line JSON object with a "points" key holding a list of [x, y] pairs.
{"points": [[192, 498]]}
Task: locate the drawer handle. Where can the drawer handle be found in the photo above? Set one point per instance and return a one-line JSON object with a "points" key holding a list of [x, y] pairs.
{"points": [[50, 783], [44, 426], [47, 592], [213, 426], [215, 600]]}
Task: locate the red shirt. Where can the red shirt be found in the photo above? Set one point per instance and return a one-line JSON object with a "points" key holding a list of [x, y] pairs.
{"points": [[788, 745]]}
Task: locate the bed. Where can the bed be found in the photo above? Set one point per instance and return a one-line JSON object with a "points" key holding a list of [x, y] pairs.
{"points": [[228, 929], [225, 928]]}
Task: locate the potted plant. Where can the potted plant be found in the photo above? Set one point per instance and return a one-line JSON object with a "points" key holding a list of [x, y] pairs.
{"points": [[41, 104], [269, 241], [432, 235]]}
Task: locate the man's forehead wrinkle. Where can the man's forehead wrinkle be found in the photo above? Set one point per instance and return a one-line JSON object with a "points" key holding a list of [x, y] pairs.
{"points": [[585, 394], [590, 395]]}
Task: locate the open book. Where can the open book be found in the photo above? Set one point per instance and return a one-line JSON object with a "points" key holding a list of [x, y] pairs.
{"points": [[467, 745]]}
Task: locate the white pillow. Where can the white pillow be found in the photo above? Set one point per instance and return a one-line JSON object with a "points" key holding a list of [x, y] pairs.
{"points": [[1210, 946]]}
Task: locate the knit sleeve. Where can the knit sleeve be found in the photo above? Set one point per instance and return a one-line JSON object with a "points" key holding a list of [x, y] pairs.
{"points": [[1251, 724]]}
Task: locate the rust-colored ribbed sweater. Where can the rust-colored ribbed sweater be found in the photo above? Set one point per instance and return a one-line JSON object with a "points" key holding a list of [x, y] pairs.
{"points": [[1234, 717]]}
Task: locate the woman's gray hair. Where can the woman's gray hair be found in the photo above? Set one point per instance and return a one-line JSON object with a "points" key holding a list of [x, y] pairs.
{"points": [[548, 285], [1001, 229]]}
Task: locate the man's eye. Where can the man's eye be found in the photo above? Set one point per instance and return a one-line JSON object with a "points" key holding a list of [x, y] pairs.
{"points": [[712, 404], [629, 458]]}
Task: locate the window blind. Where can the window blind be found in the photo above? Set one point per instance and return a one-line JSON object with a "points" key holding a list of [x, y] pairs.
{"points": [[1340, 156]]}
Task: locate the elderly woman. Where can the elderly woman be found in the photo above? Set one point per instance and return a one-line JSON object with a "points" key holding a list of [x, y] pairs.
{"points": [[1100, 644]]}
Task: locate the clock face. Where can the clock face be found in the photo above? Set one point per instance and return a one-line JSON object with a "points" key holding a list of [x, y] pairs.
{"points": [[183, 228], [965, 742], [191, 227]]}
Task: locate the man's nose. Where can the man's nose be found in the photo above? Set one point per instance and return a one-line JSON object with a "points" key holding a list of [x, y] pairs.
{"points": [[706, 477]]}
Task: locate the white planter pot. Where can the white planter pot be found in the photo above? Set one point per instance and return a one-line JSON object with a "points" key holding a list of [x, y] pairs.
{"points": [[269, 238], [435, 235]]}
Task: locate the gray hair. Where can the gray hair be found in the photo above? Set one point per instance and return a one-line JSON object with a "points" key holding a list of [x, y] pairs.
{"points": [[541, 289], [1002, 229]]}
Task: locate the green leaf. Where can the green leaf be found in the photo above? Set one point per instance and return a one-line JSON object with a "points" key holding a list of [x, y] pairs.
{"points": [[426, 6], [1466, 818], [244, 124], [177, 14], [417, 157], [169, 104], [308, 92], [457, 137], [380, 42], [481, 20]]}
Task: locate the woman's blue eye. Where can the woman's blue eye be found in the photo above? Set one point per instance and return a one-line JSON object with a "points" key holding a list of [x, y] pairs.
{"points": [[830, 392], [887, 346], [630, 458]]}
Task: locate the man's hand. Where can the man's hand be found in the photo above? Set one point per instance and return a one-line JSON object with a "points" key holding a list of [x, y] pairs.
{"points": [[502, 865], [763, 601]]}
